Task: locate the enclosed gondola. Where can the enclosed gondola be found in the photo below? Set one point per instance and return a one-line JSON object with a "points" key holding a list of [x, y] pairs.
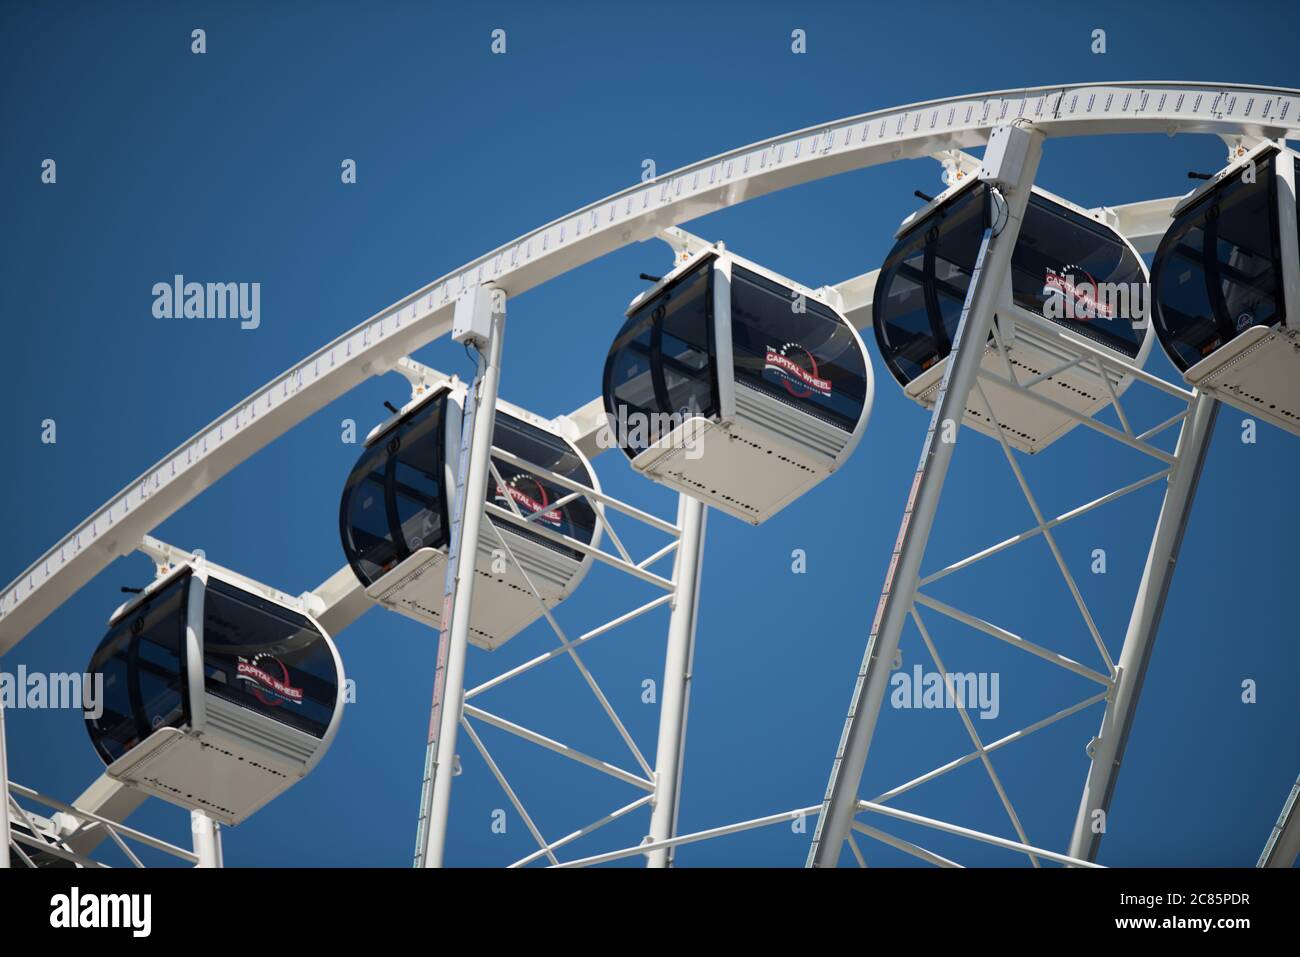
{"points": [[1077, 289], [736, 386], [1226, 280], [217, 695], [395, 516]]}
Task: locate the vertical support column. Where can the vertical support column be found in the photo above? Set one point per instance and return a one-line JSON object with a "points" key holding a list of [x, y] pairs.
{"points": [[1107, 749], [1010, 161], [207, 839], [4, 794], [1289, 235], [675, 693], [462, 554]]}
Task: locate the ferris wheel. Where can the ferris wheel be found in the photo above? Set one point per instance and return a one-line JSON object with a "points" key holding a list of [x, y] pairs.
{"points": [[1003, 309]]}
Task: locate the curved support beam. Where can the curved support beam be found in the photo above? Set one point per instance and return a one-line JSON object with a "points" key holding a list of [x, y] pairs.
{"points": [[637, 213]]}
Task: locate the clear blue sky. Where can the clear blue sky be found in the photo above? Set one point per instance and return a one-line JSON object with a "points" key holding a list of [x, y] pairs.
{"points": [[225, 167]]}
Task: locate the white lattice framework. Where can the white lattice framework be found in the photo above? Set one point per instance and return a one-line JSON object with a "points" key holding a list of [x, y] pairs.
{"points": [[1240, 114]]}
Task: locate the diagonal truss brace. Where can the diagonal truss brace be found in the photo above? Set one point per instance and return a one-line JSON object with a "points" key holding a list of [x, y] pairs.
{"points": [[662, 791], [983, 295], [901, 596], [1187, 460]]}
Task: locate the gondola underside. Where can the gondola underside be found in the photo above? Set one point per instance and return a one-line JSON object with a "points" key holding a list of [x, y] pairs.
{"points": [[1258, 371], [780, 451], [220, 768], [1027, 424], [502, 606]]}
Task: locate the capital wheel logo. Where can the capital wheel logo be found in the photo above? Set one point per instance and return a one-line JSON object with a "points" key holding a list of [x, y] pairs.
{"points": [[268, 679], [531, 497], [1080, 292], [796, 368]]}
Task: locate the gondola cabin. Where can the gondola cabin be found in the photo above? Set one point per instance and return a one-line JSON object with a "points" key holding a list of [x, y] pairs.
{"points": [[1077, 288], [1226, 278], [217, 695], [736, 386], [395, 516]]}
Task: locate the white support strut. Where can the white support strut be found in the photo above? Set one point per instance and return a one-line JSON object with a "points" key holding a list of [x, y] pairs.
{"points": [[462, 556], [207, 839], [982, 298], [1107, 749], [675, 694]]}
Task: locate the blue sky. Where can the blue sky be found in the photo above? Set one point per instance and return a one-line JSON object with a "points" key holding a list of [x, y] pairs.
{"points": [[225, 167]]}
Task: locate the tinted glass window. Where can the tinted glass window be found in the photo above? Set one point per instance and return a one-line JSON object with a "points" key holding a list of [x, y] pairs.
{"points": [[685, 349], [394, 502], [1095, 281], [267, 658], [1218, 269], [533, 494], [661, 363], [1092, 278], [142, 660], [923, 284], [796, 350]]}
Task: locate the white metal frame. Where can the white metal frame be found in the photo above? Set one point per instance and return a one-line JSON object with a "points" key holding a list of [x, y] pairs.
{"points": [[662, 781], [902, 599], [451, 708], [1119, 681], [940, 128], [983, 296], [462, 556], [58, 835]]}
